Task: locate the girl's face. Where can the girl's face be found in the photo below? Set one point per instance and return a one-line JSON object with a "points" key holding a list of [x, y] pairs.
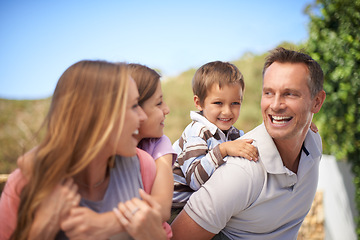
{"points": [[134, 116], [155, 108]]}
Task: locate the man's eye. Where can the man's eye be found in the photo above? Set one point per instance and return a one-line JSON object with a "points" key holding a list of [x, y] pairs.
{"points": [[290, 94]]}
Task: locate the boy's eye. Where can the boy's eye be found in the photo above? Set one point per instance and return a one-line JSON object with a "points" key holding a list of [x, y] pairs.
{"points": [[218, 103], [159, 103], [236, 103]]}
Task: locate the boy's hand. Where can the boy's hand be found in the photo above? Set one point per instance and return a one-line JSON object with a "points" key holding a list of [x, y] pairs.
{"points": [[313, 127], [240, 148]]}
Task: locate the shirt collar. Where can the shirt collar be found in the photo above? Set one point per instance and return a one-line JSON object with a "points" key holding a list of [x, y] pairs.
{"points": [[232, 134], [270, 157]]}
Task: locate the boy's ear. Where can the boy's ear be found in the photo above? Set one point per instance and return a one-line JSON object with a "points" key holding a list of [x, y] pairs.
{"points": [[197, 102]]}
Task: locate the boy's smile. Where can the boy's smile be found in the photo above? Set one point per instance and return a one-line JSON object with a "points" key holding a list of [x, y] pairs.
{"points": [[221, 105]]}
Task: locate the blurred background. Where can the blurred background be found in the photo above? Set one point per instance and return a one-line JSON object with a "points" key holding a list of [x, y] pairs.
{"points": [[40, 39]]}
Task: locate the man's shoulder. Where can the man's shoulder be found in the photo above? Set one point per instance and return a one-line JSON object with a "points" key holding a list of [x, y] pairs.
{"points": [[239, 162], [241, 169], [256, 132], [313, 143]]}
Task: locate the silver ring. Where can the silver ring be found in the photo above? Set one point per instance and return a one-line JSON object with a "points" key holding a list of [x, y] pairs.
{"points": [[135, 210]]}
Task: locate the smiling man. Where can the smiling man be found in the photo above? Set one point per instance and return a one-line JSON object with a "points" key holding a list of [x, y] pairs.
{"points": [[268, 199]]}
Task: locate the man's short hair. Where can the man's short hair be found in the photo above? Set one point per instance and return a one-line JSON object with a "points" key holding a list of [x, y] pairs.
{"points": [[282, 55]]}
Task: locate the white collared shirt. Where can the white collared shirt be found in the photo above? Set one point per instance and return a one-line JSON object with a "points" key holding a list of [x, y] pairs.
{"points": [[259, 200]]}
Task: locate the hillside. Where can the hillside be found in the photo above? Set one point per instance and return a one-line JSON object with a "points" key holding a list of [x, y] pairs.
{"points": [[20, 120]]}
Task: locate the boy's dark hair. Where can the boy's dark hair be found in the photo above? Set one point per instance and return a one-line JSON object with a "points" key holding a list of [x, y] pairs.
{"points": [[221, 73]]}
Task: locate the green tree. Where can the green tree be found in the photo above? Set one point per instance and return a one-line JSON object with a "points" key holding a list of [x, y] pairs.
{"points": [[334, 41]]}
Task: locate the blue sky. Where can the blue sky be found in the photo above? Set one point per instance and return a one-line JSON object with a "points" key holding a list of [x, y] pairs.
{"points": [[40, 39]]}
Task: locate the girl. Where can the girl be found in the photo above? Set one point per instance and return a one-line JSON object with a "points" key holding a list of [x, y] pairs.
{"points": [[151, 136]]}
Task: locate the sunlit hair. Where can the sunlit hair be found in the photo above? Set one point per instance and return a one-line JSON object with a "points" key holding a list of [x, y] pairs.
{"points": [[282, 55], [146, 80], [89, 99], [221, 73]]}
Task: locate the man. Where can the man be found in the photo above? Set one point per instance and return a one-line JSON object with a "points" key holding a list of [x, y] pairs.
{"points": [[268, 199]]}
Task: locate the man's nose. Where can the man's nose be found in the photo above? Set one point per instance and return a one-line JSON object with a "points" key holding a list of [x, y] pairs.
{"points": [[277, 103]]}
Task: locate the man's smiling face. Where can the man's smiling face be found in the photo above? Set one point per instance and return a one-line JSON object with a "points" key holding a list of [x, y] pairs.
{"points": [[286, 103]]}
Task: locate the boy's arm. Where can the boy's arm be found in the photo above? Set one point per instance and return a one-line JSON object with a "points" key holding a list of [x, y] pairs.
{"points": [[239, 148], [197, 162]]}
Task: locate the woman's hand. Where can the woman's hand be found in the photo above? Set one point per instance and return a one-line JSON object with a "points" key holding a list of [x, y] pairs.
{"points": [[53, 209], [142, 218], [83, 223]]}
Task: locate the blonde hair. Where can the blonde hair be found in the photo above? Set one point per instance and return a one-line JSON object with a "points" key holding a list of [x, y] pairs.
{"points": [[221, 73], [89, 98], [146, 80]]}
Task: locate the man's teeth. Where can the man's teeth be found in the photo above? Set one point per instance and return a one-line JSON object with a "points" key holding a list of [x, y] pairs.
{"points": [[280, 119], [136, 132]]}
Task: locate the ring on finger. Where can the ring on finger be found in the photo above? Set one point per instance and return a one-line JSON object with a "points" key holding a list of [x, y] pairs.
{"points": [[135, 210]]}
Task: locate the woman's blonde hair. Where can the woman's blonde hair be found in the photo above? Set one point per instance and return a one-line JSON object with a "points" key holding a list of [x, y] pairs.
{"points": [[146, 80], [89, 98]]}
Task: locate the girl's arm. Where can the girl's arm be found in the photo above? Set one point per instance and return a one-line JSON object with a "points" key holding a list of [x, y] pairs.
{"points": [[162, 190]]}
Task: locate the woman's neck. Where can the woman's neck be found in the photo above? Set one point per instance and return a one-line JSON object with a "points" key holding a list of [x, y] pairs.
{"points": [[94, 180]]}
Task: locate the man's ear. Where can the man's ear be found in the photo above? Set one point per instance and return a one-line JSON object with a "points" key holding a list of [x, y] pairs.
{"points": [[197, 102], [318, 101]]}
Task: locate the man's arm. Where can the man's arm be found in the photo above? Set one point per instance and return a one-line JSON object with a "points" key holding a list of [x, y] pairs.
{"points": [[184, 227]]}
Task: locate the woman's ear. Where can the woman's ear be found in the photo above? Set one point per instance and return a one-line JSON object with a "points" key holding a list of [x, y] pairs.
{"points": [[197, 102], [318, 101]]}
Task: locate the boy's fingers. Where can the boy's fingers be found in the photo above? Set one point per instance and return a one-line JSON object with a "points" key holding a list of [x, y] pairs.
{"points": [[249, 140]]}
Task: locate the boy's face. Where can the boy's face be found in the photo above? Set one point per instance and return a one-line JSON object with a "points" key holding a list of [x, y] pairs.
{"points": [[221, 106]]}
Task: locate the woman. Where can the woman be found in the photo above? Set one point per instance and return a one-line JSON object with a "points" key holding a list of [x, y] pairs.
{"points": [[94, 115]]}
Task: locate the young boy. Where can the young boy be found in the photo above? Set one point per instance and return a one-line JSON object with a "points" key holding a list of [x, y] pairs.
{"points": [[218, 89]]}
